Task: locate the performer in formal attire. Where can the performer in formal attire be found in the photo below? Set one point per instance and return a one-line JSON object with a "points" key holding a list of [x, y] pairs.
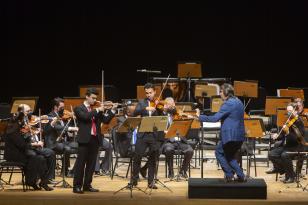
{"points": [[56, 133], [171, 144], [19, 148], [38, 145], [89, 139], [146, 107], [231, 115], [290, 140]]}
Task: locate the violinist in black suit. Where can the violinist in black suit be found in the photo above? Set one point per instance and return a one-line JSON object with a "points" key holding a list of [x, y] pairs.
{"points": [[89, 139], [146, 140], [291, 139], [56, 133]]}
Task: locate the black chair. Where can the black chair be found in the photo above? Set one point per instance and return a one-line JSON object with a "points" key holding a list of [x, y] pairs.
{"points": [[11, 168]]}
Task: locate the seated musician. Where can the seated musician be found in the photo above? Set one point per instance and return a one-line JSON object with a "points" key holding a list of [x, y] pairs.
{"points": [[171, 145], [290, 140], [19, 147], [56, 132], [103, 168]]}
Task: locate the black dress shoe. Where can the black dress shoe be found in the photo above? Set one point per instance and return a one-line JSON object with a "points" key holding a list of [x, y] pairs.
{"points": [[241, 179], [228, 179], [171, 175], [105, 173], [152, 185], [45, 186], [90, 189], [272, 171], [77, 190], [34, 186]]}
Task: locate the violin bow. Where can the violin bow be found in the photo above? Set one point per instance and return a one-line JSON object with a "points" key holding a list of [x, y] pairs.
{"points": [[163, 87]]}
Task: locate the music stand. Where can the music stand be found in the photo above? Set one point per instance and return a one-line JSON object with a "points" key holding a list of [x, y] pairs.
{"points": [[72, 101], [273, 102], [216, 103], [179, 129], [291, 92], [128, 126], [254, 128], [184, 106], [63, 183], [204, 90], [246, 89], [189, 70], [16, 101], [153, 124], [282, 116]]}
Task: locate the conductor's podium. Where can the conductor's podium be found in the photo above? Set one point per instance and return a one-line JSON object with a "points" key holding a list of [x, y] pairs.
{"points": [[217, 188]]}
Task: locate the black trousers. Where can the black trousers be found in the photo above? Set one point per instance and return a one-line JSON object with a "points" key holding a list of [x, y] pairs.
{"points": [[36, 168], [108, 148], [282, 161], [85, 163], [50, 158], [169, 150], [146, 142], [67, 150]]}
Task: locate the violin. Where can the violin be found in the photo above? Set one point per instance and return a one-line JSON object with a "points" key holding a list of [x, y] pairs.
{"points": [[34, 120], [67, 115], [289, 123], [29, 129], [156, 102], [106, 104]]}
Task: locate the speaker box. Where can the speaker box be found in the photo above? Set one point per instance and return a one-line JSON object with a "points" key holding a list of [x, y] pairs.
{"points": [[217, 188]]}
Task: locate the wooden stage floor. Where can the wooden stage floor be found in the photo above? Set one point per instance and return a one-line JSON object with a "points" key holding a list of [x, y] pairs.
{"points": [[13, 194]]}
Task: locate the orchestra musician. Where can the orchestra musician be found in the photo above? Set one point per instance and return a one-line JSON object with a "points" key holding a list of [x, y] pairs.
{"points": [[170, 145], [290, 140], [20, 147], [146, 107], [89, 139], [231, 115], [56, 133]]}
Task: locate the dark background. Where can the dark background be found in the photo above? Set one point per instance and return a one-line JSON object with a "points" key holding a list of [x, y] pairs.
{"points": [[48, 48]]}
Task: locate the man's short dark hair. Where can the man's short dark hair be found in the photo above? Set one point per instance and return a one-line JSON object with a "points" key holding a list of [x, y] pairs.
{"points": [[56, 101], [91, 91], [149, 85]]}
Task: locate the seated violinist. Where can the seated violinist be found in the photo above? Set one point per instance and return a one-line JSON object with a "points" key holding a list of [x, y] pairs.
{"points": [[19, 147], [56, 132], [38, 146], [290, 141], [170, 145]]}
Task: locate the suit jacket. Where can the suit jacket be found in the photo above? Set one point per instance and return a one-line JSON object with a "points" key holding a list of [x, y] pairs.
{"points": [[52, 133], [15, 144], [141, 110], [231, 115], [84, 119]]}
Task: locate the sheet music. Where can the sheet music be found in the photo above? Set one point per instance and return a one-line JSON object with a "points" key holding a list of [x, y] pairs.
{"points": [[211, 124]]}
